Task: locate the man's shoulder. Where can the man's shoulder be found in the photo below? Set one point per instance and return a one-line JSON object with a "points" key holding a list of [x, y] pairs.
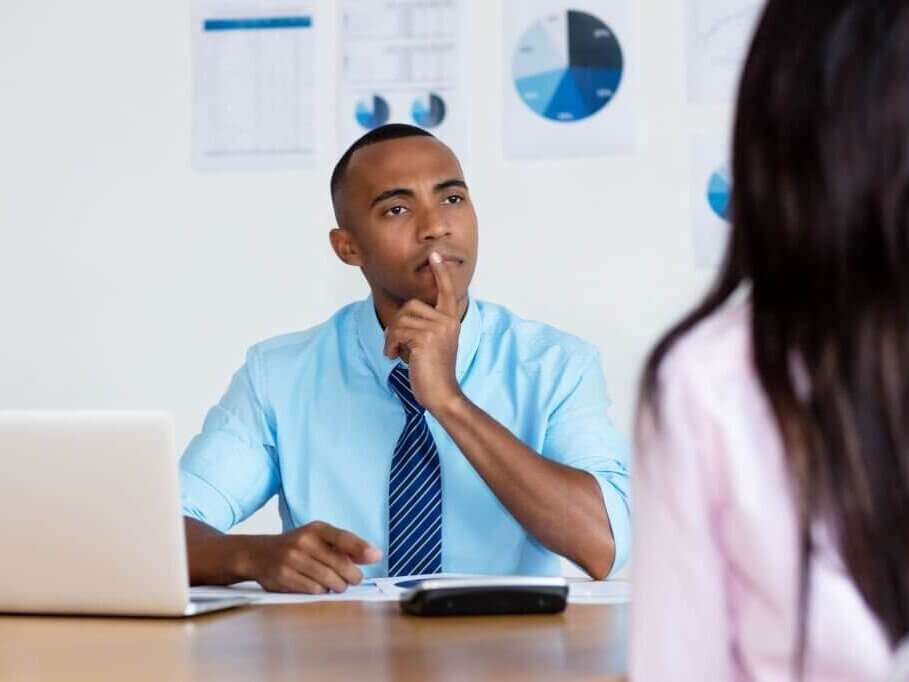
{"points": [[531, 340], [296, 344]]}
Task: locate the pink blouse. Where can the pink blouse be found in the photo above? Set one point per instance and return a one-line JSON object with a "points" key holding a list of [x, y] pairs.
{"points": [[715, 558]]}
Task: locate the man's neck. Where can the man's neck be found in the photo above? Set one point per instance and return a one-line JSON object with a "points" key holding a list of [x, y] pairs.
{"points": [[387, 308]]}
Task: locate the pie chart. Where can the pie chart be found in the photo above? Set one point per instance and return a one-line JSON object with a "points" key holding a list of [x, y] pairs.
{"points": [[428, 112], [567, 66], [719, 189], [372, 112]]}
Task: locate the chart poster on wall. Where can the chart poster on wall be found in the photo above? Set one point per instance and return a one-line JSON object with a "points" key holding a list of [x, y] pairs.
{"points": [[253, 84], [719, 34], [569, 75], [709, 195], [400, 61]]}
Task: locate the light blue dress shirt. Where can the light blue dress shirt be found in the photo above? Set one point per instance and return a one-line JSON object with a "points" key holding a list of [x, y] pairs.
{"points": [[311, 418]]}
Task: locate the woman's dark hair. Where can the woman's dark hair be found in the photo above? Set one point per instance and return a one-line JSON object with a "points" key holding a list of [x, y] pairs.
{"points": [[820, 247]]}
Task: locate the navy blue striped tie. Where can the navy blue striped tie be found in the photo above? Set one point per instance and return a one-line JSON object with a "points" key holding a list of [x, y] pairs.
{"points": [[414, 491]]}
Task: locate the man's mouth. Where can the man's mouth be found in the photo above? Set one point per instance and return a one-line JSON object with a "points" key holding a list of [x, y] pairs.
{"points": [[446, 260]]}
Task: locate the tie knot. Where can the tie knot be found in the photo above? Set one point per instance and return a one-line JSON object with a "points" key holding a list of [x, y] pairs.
{"points": [[399, 380]]}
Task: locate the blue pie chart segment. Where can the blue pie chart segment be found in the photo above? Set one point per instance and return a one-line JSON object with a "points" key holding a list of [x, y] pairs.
{"points": [[567, 66], [537, 91], [428, 112], [372, 112], [719, 189]]}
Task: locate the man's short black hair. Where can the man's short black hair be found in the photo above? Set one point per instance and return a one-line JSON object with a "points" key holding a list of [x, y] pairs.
{"points": [[392, 131]]}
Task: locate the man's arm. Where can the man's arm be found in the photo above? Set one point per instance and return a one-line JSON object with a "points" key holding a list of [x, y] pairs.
{"points": [[559, 505], [228, 472], [215, 558], [314, 559]]}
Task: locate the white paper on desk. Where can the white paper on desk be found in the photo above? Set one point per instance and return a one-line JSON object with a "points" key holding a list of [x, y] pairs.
{"points": [[599, 592], [366, 591], [391, 589], [371, 589], [395, 587]]}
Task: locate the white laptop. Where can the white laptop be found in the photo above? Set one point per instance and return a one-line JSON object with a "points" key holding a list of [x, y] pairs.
{"points": [[91, 520]]}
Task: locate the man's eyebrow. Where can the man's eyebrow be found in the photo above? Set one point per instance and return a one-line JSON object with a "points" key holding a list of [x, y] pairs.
{"points": [[389, 193], [404, 192], [448, 184]]}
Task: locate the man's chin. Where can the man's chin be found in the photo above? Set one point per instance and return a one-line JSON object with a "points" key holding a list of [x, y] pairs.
{"points": [[430, 297]]}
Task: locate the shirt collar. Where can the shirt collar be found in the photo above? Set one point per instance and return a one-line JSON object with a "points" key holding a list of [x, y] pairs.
{"points": [[372, 340]]}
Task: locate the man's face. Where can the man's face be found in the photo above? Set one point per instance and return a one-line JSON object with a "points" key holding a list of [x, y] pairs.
{"points": [[401, 200]]}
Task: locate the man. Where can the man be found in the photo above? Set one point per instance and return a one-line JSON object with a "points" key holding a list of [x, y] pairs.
{"points": [[414, 432]]}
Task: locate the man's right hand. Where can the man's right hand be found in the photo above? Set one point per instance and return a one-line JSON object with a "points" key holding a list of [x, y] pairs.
{"points": [[315, 558]]}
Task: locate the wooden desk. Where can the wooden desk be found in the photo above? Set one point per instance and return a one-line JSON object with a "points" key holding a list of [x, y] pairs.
{"points": [[332, 641]]}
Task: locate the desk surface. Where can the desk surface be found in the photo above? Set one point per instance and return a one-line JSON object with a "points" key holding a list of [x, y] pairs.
{"points": [[332, 641]]}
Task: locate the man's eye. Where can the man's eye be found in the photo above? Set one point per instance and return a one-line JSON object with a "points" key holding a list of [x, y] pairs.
{"points": [[396, 210], [454, 199]]}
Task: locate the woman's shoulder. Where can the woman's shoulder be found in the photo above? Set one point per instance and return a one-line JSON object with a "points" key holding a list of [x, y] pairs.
{"points": [[715, 352]]}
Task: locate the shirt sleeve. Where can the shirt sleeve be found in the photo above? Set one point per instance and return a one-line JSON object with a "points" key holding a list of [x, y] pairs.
{"points": [[230, 469], [580, 434], [680, 621]]}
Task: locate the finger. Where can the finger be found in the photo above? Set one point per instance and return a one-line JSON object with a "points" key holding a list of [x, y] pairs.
{"points": [[395, 340], [338, 562], [310, 567], [288, 579], [356, 548], [306, 567], [409, 321], [446, 301], [405, 338], [416, 308]]}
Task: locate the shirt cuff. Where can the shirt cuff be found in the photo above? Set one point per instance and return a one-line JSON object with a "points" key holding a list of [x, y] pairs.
{"points": [[205, 503]]}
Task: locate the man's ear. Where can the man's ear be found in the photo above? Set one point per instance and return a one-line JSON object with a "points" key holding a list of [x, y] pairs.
{"points": [[345, 246]]}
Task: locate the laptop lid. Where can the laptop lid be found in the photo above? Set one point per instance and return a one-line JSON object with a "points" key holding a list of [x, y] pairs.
{"points": [[91, 520]]}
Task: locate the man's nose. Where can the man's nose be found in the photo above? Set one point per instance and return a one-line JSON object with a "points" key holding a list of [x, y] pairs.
{"points": [[432, 226]]}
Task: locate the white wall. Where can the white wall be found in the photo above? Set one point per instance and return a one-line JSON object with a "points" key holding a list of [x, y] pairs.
{"points": [[128, 280]]}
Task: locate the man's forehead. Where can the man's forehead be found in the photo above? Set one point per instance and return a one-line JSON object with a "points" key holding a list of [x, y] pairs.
{"points": [[402, 162]]}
